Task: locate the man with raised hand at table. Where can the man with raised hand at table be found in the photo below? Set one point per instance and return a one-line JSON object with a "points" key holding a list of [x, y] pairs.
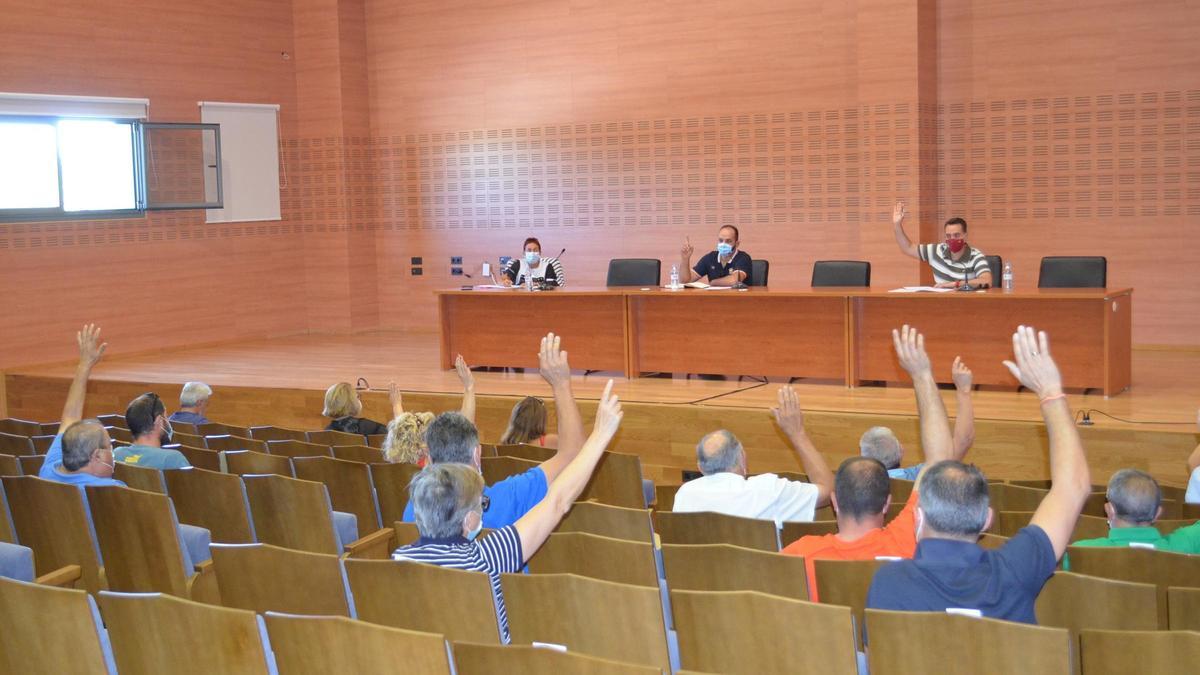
{"points": [[725, 266], [955, 264]]}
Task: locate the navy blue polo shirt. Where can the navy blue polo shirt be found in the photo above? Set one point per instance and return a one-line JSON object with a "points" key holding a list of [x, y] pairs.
{"points": [[709, 266], [944, 574]]}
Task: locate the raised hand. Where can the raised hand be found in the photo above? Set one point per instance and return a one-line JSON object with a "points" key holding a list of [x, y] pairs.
{"points": [[788, 414], [90, 347], [910, 350], [898, 213], [961, 374], [464, 372], [608, 414], [552, 361], [1034, 366], [395, 398], [686, 251]]}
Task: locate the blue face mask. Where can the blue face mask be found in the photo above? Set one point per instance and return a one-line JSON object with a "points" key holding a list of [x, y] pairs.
{"points": [[724, 248], [532, 257], [475, 532]]}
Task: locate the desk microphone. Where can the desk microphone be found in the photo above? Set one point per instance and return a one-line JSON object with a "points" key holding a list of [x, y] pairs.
{"points": [[561, 252]]}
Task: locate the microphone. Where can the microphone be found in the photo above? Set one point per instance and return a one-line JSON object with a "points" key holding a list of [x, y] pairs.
{"points": [[561, 252]]}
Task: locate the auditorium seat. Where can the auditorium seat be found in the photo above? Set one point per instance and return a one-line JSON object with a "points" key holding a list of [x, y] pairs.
{"points": [[140, 477], [297, 514], [331, 438], [600, 618], [1008, 497], [359, 453], [212, 500], [349, 485], [113, 420], [407, 533], [496, 469], [1077, 601], [17, 562], [1008, 523], [1087, 527], [748, 632], [12, 444], [262, 578], [273, 433], [201, 458], [1115, 652], [845, 583], [376, 440], [319, 644], [52, 519], [290, 448], [41, 444], [218, 429], [157, 633], [50, 630], [1189, 511], [421, 597], [391, 488], [533, 453], [1161, 568], [18, 427], [185, 427], [9, 466], [234, 443], [191, 440], [7, 533], [715, 528], [992, 541], [617, 481], [722, 567], [608, 521], [760, 271], [841, 273], [477, 659], [930, 642], [31, 464], [589, 555], [793, 530], [1183, 608], [634, 272], [664, 497], [249, 462], [901, 490], [1073, 272]]}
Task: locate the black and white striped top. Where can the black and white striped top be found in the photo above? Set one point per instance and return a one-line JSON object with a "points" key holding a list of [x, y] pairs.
{"points": [[945, 268], [497, 553], [549, 269]]}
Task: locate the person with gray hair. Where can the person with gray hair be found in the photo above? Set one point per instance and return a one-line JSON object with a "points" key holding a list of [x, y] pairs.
{"points": [[950, 570], [450, 505], [1134, 505], [193, 404], [881, 443], [726, 488]]}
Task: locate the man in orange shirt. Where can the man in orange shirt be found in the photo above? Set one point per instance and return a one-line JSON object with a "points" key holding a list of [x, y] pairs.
{"points": [[862, 490]]}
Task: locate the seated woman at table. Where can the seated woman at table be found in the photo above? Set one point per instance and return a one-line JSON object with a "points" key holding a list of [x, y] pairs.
{"points": [[533, 266], [528, 425]]}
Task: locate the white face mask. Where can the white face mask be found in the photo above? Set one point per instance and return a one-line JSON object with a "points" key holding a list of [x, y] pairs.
{"points": [[478, 528]]}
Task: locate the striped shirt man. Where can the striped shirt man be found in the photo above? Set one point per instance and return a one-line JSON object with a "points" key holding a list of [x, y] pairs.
{"points": [[549, 269], [946, 269], [497, 553]]}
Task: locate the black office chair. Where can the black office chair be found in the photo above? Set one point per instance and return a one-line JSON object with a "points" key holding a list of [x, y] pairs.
{"points": [[1070, 271], [759, 270], [996, 265], [841, 273], [634, 272]]}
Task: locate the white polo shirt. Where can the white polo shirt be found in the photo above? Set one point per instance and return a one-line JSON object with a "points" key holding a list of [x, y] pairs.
{"points": [[765, 496]]}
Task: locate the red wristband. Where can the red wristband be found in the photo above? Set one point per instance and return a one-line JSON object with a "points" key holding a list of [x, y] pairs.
{"points": [[1052, 398]]}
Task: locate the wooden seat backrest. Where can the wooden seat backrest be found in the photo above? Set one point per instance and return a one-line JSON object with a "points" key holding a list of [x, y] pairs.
{"points": [[266, 578], [722, 567]]}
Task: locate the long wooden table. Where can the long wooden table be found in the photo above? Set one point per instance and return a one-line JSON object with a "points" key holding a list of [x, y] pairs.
{"points": [[840, 334]]}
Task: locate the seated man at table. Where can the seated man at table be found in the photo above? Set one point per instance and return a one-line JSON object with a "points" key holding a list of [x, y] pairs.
{"points": [[726, 266], [954, 263], [1134, 505], [725, 487]]}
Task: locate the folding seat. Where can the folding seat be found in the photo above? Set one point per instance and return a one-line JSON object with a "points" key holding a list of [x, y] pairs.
{"points": [[590, 555], [496, 469], [476, 659], [265, 578], [249, 462], [140, 477], [331, 644], [293, 449], [391, 489], [722, 567], [297, 514], [331, 438], [218, 429], [608, 521], [1148, 566], [617, 481], [360, 453], [228, 442], [349, 485], [845, 583], [706, 527], [212, 500], [53, 519], [272, 433], [1106, 652], [930, 642], [1183, 606], [51, 630]]}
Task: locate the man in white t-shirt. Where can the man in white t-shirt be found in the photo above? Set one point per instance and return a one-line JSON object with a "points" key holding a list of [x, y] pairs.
{"points": [[725, 487]]}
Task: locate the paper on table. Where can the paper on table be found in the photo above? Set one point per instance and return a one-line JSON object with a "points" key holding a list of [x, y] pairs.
{"points": [[696, 284], [498, 286], [718, 288], [921, 289]]}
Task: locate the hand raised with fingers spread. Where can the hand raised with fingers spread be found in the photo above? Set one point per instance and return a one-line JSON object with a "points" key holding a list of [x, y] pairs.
{"points": [[396, 398], [910, 350], [962, 375], [898, 213], [90, 347], [552, 361], [464, 372], [608, 414], [788, 414], [1034, 366]]}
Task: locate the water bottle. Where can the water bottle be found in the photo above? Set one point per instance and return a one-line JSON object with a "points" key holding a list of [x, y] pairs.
{"points": [[1007, 278], [674, 276], [529, 282]]}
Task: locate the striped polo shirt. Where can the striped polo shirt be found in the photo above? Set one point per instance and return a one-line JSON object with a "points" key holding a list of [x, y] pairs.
{"points": [[495, 554], [945, 268]]}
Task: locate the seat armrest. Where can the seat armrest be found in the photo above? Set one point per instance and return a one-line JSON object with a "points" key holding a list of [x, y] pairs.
{"points": [[63, 577], [374, 546]]}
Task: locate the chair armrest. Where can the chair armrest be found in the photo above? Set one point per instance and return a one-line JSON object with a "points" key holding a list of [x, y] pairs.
{"points": [[202, 586], [63, 577], [374, 546]]}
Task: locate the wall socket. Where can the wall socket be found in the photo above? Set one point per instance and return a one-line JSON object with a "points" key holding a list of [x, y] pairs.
{"points": [[416, 260], [456, 260], [416, 271], [456, 271]]}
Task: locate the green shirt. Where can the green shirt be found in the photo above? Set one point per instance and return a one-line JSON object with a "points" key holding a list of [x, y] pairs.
{"points": [[1183, 540]]}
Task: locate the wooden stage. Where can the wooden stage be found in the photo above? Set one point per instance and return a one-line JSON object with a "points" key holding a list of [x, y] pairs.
{"points": [[282, 381]]}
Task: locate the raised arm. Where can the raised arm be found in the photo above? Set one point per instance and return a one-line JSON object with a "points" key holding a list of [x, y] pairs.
{"points": [[540, 521], [396, 398], [936, 442], [90, 351], [790, 419], [1070, 481], [552, 363], [964, 417], [468, 382], [906, 247], [686, 274]]}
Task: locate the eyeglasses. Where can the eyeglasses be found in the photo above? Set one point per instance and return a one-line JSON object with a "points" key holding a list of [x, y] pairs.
{"points": [[487, 502]]}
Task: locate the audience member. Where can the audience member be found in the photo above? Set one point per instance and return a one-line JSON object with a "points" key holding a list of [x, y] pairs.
{"points": [[725, 487], [343, 405], [193, 404], [147, 420], [405, 441], [527, 424], [81, 454], [1192, 496], [950, 569], [1134, 505], [881, 444], [453, 439], [451, 509], [862, 489]]}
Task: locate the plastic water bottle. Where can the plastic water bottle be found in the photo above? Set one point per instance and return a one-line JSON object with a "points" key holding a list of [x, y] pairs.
{"points": [[1007, 277], [674, 276], [529, 282]]}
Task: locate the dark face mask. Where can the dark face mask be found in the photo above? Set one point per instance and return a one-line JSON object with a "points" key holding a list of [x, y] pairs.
{"points": [[956, 245]]}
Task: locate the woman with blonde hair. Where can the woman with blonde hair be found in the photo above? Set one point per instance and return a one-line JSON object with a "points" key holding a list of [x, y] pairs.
{"points": [[527, 424], [344, 406], [405, 442]]}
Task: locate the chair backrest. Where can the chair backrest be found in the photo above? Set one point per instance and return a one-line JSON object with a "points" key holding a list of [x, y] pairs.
{"points": [[1073, 272], [7, 532], [1008, 523], [793, 530], [184, 438], [721, 567], [375, 440], [320, 644], [608, 521], [212, 500], [1087, 527], [265, 578], [476, 659], [706, 527], [391, 488], [52, 519], [590, 555], [19, 427], [927, 642], [140, 477], [1147, 566], [293, 448], [1111, 652], [664, 497], [185, 427], [41, 444], [359, 453], [992, 541], [113, 420], [617, 481], [533, 453], [1183, 605], [245, 462], [11, 444], [407, 533], [1006, 497], [291, 513], [10, 466], [841, 273], [845, 583], [634, 272], [227, 442], [156, 633], [1189, 511], [139, 539], [421, 597], [601, 618], [201, 458], [349, 486], [331, 437], [996, 265], [31, 464], [748, 632], [272, 433], [218, 429], [759, 271], [496, 469], [1077, 601], [48, 630]]}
